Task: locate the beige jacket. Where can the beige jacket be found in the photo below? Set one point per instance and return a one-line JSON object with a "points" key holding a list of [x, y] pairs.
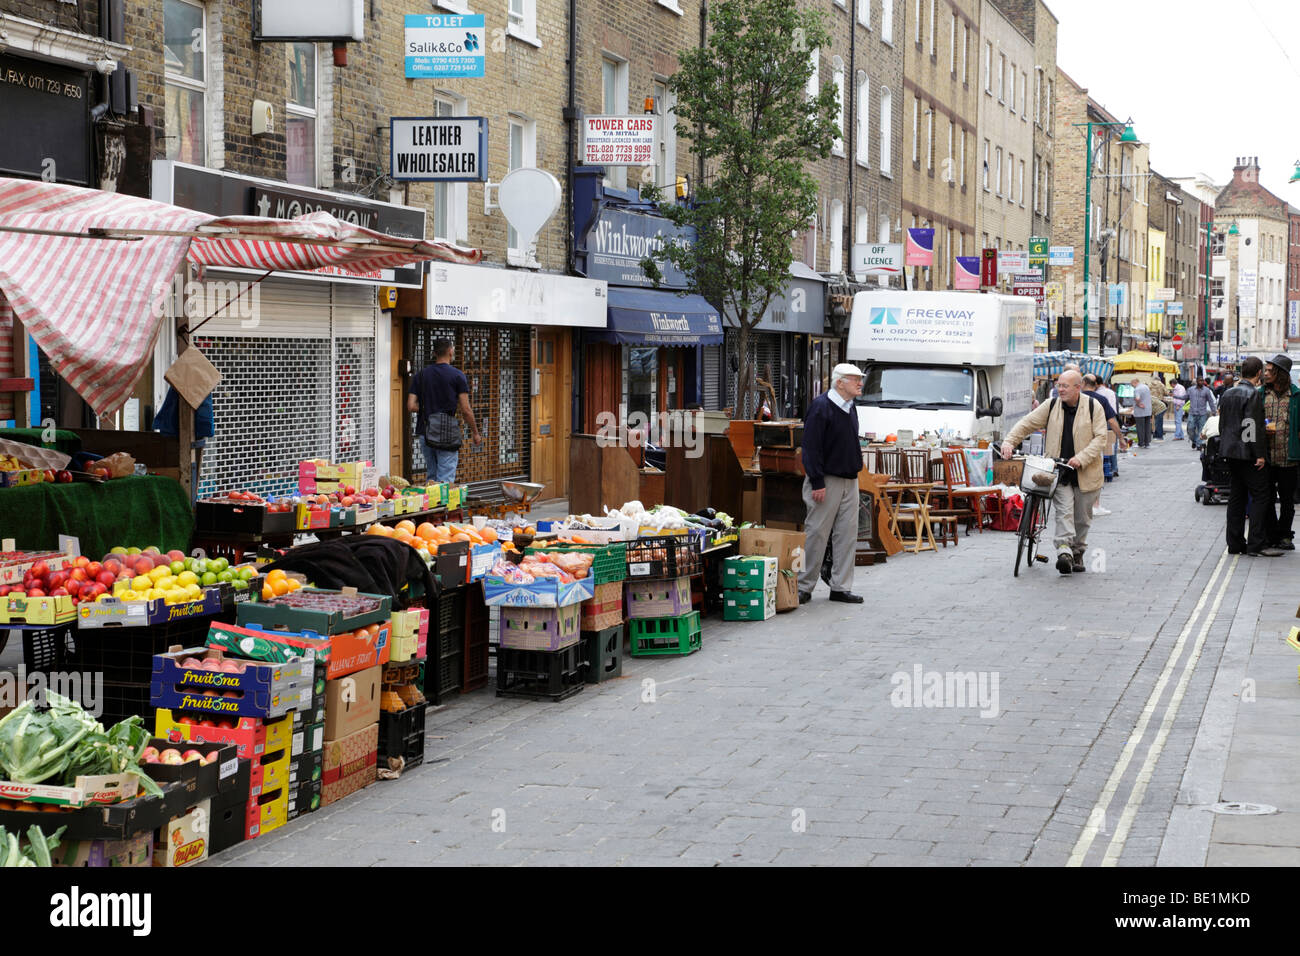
{"points": [[1089, 436]]}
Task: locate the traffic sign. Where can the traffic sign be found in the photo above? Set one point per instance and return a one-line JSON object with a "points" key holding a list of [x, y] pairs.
{"points": [[1176, 342]]}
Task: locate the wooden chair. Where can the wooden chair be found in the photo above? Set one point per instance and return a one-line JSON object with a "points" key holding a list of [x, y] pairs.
{"points": [[959, 489], [916, 466], [891, 462]]}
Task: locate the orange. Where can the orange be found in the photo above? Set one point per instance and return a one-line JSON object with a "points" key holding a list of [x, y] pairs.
{"points": [[279, 586], [267, 593], [433, 547], [488, 535], [293, 583], [461, 536], [426, 530], [276, 575], [406, 525], [441, 533]]}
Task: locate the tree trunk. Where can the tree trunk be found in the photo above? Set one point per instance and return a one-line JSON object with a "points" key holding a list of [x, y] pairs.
{"points": [[744, 376]]}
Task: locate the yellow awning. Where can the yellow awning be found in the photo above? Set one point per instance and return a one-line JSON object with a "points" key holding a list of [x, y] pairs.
{"points": [[1136, 361]]}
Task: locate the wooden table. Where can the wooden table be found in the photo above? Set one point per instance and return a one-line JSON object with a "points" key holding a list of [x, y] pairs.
{"points": [[920, 491]]}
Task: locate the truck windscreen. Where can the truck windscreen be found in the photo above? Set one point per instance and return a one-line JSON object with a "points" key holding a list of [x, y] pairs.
{"points": [[918, 386]]}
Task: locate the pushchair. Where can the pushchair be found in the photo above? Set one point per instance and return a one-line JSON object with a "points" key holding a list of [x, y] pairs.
{"points": [[1215, 477]]}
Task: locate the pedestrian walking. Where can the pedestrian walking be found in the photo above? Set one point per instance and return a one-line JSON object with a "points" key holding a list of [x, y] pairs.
{"points": [[1282, 426], [1223, 386], [439, 393], [1179, 396], [1201, 405], [1142, 412], [1159, 406], [1243, 442], [1076, 432], [832, 458], [1091, 387]]}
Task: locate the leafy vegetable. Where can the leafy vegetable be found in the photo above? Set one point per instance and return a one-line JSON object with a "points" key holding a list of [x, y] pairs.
{"points": [[64, 742], [37, 851]]}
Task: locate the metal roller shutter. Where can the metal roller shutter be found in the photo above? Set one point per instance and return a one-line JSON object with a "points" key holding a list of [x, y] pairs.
{"points": [[766, 360], [712, 398]]}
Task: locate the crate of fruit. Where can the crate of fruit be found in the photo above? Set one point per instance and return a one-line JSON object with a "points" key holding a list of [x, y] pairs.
{"points": [[14, 565], [669, 597], [343, 653], [609, 561], [540, 628], [319, 610], [663, 557], [203, 680], [246, 514], [18, 609]]}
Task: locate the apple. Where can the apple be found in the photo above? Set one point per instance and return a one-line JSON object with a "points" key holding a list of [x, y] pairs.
{"points": [[211, 664], [113, 566], [212, 724], [132, 551], [149, 754], [60, 592], [94, 569], [40, 569], [118, 550], [232, 694], [177, 567], [186, 719], [106, 578], [174, 555], [36, 592], [226, 724], [210, 758], [171, 756], [192, 755], [79, 574], [58, 578], [97, 590]]}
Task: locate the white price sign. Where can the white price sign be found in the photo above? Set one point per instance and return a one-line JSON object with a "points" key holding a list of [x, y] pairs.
{"points": [[619, 140]]}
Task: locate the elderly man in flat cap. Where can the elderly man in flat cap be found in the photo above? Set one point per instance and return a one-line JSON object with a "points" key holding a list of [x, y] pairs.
{"points": [[832, 458]]}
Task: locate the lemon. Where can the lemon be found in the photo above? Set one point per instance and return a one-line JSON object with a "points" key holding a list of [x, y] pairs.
{"points": [[130, 594], [166, 583], [186, 578]]}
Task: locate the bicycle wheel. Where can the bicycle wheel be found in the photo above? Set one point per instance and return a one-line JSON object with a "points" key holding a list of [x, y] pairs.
{"points": [[1040, 524], [1025, 533]]}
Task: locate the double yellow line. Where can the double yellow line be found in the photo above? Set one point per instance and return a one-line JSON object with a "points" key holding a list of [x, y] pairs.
{"points": [[1097, 819]]}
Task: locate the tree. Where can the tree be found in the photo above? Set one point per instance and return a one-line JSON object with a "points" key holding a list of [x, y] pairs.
{"points": [[744, 95]]}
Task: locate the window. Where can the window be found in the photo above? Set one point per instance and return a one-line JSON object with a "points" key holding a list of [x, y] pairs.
{"points": [[882, 235], [1020, 183], [1047, 106], [456, 6], [952, 45], [523, 21], [929, 137], [1011, 165], [997, 169], [986, 166], [864, 13], [951, 155], [837, 236], [523, 153], [450, 200], [1012, 98], [1024, 97], [1002, 77], [1038, 96], [965, 51], [886, 129], [864, 121], [962, 161], [932, 27], [861, 225], [1038, 172], [1047, 187], [988, 66], [666, 160], [918, 23], [887, 21], [916, 128], [837, 77], [814, 78], [300, 115], [614, 103], [185, 61]]}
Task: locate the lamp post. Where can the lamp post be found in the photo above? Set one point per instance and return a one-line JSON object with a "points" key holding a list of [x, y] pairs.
{"points": [[1129, 137], [1209, 276], [1295, 177]]}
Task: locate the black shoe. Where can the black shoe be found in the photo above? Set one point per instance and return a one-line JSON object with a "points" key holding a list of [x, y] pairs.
{"points": [[805, 597], [1064, 563], [1078, 565], [1237, 551], [1287, 545], [1264, 553], [846, 597]]}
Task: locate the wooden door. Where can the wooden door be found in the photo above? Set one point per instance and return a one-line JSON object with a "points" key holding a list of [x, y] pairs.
{"points": [[551, 411]]}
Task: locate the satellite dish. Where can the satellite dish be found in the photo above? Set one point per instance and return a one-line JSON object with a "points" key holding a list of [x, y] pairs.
{"points": [[528, 197]]}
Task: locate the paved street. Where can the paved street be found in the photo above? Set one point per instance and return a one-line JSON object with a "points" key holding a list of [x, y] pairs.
{"points": [[1086, 739]]}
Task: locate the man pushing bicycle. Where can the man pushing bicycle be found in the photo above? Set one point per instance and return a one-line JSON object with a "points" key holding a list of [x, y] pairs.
{"points": [[1076, 432]]}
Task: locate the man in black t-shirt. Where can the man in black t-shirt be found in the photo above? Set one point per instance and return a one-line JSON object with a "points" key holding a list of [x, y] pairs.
{"points": [[440, 387]]}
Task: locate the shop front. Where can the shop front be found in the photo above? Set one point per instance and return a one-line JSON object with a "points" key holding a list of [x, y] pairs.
{"points": [[302, 355], [513, 331]]}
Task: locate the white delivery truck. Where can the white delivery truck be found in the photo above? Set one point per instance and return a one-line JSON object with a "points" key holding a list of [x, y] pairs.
{"points": [[959, 364]]}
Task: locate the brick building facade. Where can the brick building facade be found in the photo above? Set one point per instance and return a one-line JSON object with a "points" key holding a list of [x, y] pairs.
{"points": [[1004, 201]]}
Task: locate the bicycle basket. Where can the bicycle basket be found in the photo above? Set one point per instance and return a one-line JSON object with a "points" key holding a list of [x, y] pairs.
{"points": [[1039, 477]]}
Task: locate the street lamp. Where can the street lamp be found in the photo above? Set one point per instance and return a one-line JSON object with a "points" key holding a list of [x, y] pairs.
{"points": [[1209, 276], [1295, 177], [1129, 137]]}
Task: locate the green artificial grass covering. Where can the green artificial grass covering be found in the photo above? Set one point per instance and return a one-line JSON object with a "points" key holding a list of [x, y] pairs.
{"points": [[128, 512]]}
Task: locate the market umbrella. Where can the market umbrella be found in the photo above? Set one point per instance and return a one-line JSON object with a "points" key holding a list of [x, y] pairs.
{"points": [[1137, 361], [88, 272], [1051, 364]]}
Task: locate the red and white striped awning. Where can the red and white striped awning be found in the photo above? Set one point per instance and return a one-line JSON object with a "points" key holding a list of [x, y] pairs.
{"points": [[89, 272]]}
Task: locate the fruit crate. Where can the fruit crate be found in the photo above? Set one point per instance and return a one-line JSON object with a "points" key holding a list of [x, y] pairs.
{"points": [[669, 597], [314, 609], [36, 611], [664, 557], [478, 635], [126, 654], [222, 516], [664, 636], [47, 648], [540, 628], [541, 675], [447, 613], [609, 563], [443, 676], [604, 654], [402, 735]]}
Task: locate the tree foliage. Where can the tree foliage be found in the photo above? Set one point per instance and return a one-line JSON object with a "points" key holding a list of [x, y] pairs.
{"points": [[742, 101]]}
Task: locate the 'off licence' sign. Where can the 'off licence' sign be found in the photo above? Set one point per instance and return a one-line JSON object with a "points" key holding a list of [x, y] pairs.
{"points": [[878, 258], [618, 140], [442, 46], [439, 149]]}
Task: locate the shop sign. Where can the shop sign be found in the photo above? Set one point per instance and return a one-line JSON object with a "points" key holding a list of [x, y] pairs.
{"points": [[920, 247], [800, 307], [627, 140], [1293, 319], [1013, 261], [1174, 308], [446, 149], [442, 46], [988, 268], [966, 275], [619, 240], [877, 258], [1155, 307], [1163, 295], [46, 110], [1040, 332], [1060, 256], [1038, 252], [458, 293]]}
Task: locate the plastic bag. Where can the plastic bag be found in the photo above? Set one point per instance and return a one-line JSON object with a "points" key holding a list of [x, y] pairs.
{"points": [[119, 464]]}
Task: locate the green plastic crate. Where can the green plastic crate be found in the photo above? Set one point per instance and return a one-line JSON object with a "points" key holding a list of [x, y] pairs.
{"points": [[665, 636], [609, 565]]}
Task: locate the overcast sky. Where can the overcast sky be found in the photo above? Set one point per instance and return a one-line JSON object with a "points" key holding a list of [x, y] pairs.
{"points": [[1205, 81]]}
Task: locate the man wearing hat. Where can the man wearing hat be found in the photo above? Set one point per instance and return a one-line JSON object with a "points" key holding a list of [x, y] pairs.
{"points": [[1282, 428], [832, 458]]}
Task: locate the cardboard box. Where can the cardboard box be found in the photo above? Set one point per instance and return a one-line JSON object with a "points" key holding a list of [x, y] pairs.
{"points": [[342, 654], [305, 798], [269, 772], [786, 546], [787, 591], [257, 690], [544, 592], [350, 764], [749, 573], [352, 703], [49, 610], [266, 812], [15, 564], [85, 791], [114, 612], [278, 613], [251, 736], [135, 851], [184, 841], [749, 605], [307, 740]]}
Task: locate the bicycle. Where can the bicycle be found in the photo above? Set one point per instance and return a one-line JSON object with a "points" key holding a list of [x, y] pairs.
{"points": [[1038, 482]]}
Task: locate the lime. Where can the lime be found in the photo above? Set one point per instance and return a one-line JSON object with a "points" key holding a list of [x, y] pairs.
{"points": [[218, 565], [209, 578], [177, 567], [240, 584], [226, 576], [247, 574]]}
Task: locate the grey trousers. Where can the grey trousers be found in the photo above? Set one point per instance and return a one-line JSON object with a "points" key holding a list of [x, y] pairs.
{"points": [[1073, 509], [839, 510]]}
